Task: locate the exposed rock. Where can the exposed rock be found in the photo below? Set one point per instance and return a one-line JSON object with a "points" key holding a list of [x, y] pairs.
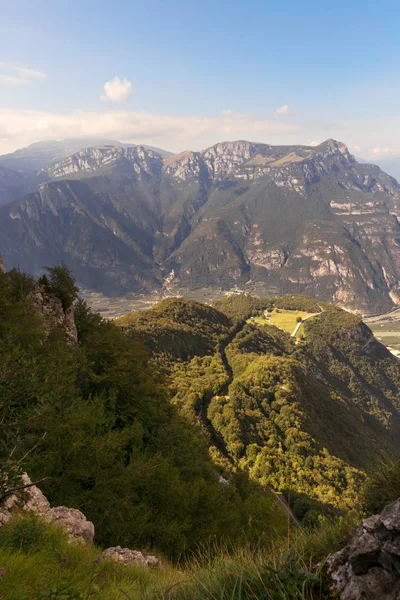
{"points": [[129, 557], [2, 267], [31, 499], [301, 219], [369, 566], [140, 159], [74, 522], [50, 308]]}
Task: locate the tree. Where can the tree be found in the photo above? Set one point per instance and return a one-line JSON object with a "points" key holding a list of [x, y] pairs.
{"points": [[60, 283]]}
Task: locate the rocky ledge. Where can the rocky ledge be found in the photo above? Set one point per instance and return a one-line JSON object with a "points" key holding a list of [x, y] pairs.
{"points": [[31, 499], [71, 520], [369, 566]]}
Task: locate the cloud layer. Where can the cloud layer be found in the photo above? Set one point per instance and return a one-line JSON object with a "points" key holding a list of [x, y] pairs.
{"points": [[384, 151], [19, 128], [117, 90], [14, 75]]}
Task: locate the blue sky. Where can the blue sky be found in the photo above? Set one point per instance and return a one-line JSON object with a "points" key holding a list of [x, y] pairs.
{"points": [[194, 73]]}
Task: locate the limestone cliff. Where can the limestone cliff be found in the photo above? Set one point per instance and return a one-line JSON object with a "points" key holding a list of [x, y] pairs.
{"points": [[295, 219], [50, 309]]}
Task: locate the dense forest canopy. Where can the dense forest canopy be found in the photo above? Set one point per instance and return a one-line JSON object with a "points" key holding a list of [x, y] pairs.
{"points": [[95, 419], [172, 426], [310, 417]]}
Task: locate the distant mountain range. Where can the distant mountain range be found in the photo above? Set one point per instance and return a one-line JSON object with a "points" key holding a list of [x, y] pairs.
{"points": [[390, 165], [20, 170], [129, 218]]}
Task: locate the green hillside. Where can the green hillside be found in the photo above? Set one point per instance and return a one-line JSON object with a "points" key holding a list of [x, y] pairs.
{"points": [[94, 421], [180, 328], [312, 418], [190, 433]]}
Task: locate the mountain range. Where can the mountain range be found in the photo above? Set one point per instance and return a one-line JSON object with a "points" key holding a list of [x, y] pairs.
{"points": [[129, 218]]}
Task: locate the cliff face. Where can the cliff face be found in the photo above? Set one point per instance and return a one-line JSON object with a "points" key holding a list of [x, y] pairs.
{"points": [[368, 566], [50, 309], [293, 218]]}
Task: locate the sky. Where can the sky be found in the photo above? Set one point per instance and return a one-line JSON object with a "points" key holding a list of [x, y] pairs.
{"points": [[187, 74]]}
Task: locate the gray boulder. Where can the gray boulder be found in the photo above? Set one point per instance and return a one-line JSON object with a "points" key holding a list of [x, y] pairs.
{"points": [[74, 522], [368, 567], [126, 556]]}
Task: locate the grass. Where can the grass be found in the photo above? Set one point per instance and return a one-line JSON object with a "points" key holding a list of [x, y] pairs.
{"points": [[383, 486], [284, 319], [40, 563]]}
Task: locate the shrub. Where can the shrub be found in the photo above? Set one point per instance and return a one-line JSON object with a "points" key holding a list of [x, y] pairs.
{"points": [[60, 283], [28, 534], [382, 487]]}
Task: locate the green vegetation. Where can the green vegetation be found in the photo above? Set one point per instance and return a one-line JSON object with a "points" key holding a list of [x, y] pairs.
{"points": [[59, 282], [286, 320], [310, 419], [96, 420], [171, 430], [300, 303], [242, 306], [383, 486], [180, 328], [39, 562]]}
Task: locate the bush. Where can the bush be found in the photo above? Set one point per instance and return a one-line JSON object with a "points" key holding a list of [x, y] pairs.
{"points": [[382, 487], [28, 534]]}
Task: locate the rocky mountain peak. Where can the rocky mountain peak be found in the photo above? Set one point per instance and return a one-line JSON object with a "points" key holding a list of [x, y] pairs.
{"points": [[225, 157], [93, 159], [238, 211], [332, 148]]}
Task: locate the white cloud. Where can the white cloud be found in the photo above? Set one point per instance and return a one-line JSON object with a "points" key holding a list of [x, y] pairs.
{"points": [[383, 150], [355, 148], [117, 90], [15, 75], [313, 143], [284, 111], [19, 128]]}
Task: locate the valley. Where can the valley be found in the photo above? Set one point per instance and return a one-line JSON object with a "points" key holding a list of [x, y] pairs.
{"points": [[386, 329]]}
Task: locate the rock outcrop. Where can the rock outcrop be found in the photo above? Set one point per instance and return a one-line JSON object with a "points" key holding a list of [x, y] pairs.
{"points": [[369, 566], [126, 556], [71, 520], [50, 309], [31, 499]]}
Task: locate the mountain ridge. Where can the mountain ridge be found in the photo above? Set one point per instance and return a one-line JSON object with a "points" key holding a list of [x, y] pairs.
{"points": [[294, 218]]}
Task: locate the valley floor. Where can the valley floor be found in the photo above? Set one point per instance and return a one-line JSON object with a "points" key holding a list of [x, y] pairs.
{"points": [[386, 329]]}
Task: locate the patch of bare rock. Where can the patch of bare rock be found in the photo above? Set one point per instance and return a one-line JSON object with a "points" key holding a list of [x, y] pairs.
{"points": [[125, 556], [71, 520], [368, 567], [49, 308], [31, 499]]}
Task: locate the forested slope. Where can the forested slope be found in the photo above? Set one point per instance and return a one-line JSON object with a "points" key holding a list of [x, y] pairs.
{"points": [[312, 418], [93, 421]]}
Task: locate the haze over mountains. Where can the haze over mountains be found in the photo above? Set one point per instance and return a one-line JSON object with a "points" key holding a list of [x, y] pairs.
{"points": [[128, 218]]}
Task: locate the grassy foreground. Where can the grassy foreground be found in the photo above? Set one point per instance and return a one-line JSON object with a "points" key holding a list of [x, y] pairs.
{"points": [[39, 562]]}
